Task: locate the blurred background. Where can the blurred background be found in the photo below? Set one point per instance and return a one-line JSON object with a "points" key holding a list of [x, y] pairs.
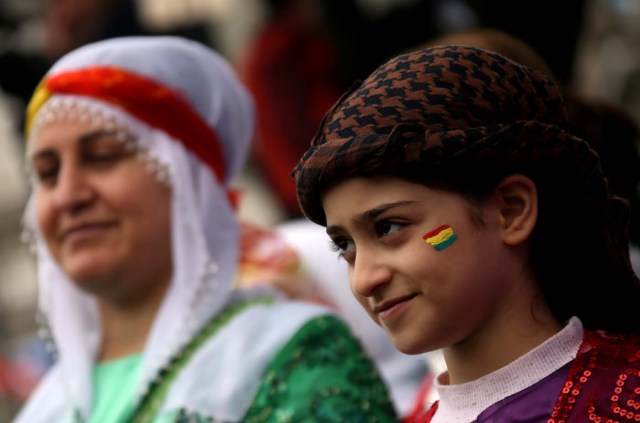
{"points": [[296, 57]]}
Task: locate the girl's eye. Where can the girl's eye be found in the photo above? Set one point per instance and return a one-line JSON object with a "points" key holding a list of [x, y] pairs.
{"points": [[387, 227], [342, 246]]}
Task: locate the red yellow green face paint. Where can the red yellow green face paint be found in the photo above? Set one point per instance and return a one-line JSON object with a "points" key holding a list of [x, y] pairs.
{"points": [[441, 237]]}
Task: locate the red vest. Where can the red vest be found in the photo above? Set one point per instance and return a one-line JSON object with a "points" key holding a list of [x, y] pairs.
{"points": [[603, 384]]}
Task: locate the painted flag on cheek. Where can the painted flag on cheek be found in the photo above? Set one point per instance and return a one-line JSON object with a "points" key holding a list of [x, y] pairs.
{"points": [[441, 237]]}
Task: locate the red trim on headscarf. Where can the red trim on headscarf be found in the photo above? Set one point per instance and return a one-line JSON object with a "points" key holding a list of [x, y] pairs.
{"points": [[234, 197], [157, 105]]}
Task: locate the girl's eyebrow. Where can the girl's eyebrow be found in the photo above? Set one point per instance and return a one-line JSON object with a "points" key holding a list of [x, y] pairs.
{"points": [[371, 214]]}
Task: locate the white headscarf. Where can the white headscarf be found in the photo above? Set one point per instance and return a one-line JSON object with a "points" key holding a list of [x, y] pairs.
{"points": [[204, 226]]}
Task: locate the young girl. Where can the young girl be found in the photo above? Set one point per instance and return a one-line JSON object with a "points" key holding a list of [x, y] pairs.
{"points": [[473, 221]]}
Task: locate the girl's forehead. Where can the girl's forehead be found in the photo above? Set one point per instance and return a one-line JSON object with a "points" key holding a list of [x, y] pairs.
{"points": [[380, 188], [365, 197]]}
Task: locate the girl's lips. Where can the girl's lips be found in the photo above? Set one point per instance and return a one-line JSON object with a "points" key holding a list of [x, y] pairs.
{"points": [[391, 309]]}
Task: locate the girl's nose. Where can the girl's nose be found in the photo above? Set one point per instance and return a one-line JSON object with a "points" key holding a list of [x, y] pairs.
{"points": [[368, 273]]}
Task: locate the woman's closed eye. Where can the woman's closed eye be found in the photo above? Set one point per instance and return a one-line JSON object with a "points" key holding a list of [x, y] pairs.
{"points": [[104, 149], [103, 157], [45, 169]]}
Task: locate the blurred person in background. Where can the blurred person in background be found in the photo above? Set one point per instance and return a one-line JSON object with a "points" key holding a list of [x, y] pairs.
{"points": [[556, 44], [133, 144], [69, 24], [303, 56], [60, 26]]}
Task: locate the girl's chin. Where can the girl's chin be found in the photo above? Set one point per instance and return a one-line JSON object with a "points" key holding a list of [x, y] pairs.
{"points": [[414, 345], [407, 346]]}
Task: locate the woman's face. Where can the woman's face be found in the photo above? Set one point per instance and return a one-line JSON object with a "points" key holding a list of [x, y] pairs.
{"points": [[425, 293], [104, 217]]}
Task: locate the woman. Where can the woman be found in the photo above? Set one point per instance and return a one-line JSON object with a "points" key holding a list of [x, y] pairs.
{"points": [[133, 144], [471, 220]]}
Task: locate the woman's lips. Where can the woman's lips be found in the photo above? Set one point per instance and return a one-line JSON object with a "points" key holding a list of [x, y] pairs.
{"points": [[85, 231]]}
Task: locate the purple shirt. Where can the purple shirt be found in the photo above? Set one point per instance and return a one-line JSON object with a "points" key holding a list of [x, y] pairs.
{"points": [[531, 405]]}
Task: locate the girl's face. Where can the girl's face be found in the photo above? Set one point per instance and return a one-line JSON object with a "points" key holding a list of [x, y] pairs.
{"points": [[426, 294], [104, 217]]}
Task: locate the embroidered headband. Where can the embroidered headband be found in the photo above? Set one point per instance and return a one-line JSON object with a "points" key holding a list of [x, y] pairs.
{"points": [[153, 103]]}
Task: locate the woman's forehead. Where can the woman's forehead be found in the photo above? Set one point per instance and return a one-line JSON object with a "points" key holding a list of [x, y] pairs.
{"points": [[82, 111], [65, 118], [57, 133]]}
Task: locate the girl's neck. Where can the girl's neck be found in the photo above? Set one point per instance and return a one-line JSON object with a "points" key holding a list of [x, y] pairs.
{"points": [[499, 342]]}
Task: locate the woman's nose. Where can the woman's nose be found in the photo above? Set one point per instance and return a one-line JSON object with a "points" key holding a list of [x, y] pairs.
{"points": [[72, 191], [368, 273]]}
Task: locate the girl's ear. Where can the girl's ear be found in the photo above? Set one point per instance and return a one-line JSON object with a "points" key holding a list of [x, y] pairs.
{"points": [[517, 199]]}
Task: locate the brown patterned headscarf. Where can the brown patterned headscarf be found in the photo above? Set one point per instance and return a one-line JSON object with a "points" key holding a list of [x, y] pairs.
{"points": [[435, 108], [463, 114]]}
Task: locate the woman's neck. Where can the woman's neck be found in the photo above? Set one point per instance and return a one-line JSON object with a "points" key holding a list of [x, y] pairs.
{"points": [[126, 325]]}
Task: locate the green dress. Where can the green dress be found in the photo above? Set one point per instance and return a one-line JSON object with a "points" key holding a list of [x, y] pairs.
{"points": [[321, 374], [312, 380]]}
